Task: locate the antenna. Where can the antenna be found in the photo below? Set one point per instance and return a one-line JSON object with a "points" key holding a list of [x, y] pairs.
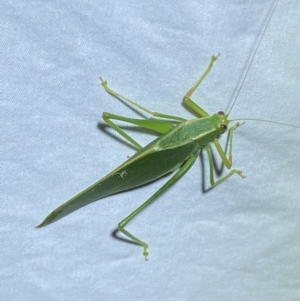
{"points": [[268, 121], [270, 14]]}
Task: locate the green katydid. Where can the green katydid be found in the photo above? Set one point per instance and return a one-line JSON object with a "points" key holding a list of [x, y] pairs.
{"points": [[175, 150]]}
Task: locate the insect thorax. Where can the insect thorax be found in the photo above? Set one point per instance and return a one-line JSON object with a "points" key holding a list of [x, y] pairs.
{"points": [[204, 130]]}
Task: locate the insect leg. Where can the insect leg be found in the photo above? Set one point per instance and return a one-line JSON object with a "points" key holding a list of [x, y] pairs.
{"points": [[214, 183], [107, 118], [134, 104], [181, 172], [188, 101], [227, 161], [159, 126]]}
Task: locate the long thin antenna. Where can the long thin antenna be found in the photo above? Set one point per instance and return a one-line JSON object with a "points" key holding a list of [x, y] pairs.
{"points": [[272, 9], [268, 121]]}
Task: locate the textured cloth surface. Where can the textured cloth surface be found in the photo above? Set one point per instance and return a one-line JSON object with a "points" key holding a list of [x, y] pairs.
{"points": [[239, 241]]}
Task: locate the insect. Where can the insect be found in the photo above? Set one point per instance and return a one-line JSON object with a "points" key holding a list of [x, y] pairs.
{"points": [[174, 151]]}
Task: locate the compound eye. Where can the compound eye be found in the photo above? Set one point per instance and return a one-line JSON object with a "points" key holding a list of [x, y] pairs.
{"points": [[221, 113], [223, 127]]}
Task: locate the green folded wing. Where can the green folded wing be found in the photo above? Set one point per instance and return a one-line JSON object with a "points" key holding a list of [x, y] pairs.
{"points": [[145, 166]]}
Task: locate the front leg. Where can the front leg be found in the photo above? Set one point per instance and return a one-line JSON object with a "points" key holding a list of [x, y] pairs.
{"points": [[187, 98], [227, 161]]}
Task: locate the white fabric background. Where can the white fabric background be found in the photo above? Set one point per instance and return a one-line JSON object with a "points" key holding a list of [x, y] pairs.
{"points": [[239, 241]]}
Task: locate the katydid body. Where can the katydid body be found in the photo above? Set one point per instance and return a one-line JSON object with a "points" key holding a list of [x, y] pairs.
{"points": [[177, 148], [163, 155]]}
